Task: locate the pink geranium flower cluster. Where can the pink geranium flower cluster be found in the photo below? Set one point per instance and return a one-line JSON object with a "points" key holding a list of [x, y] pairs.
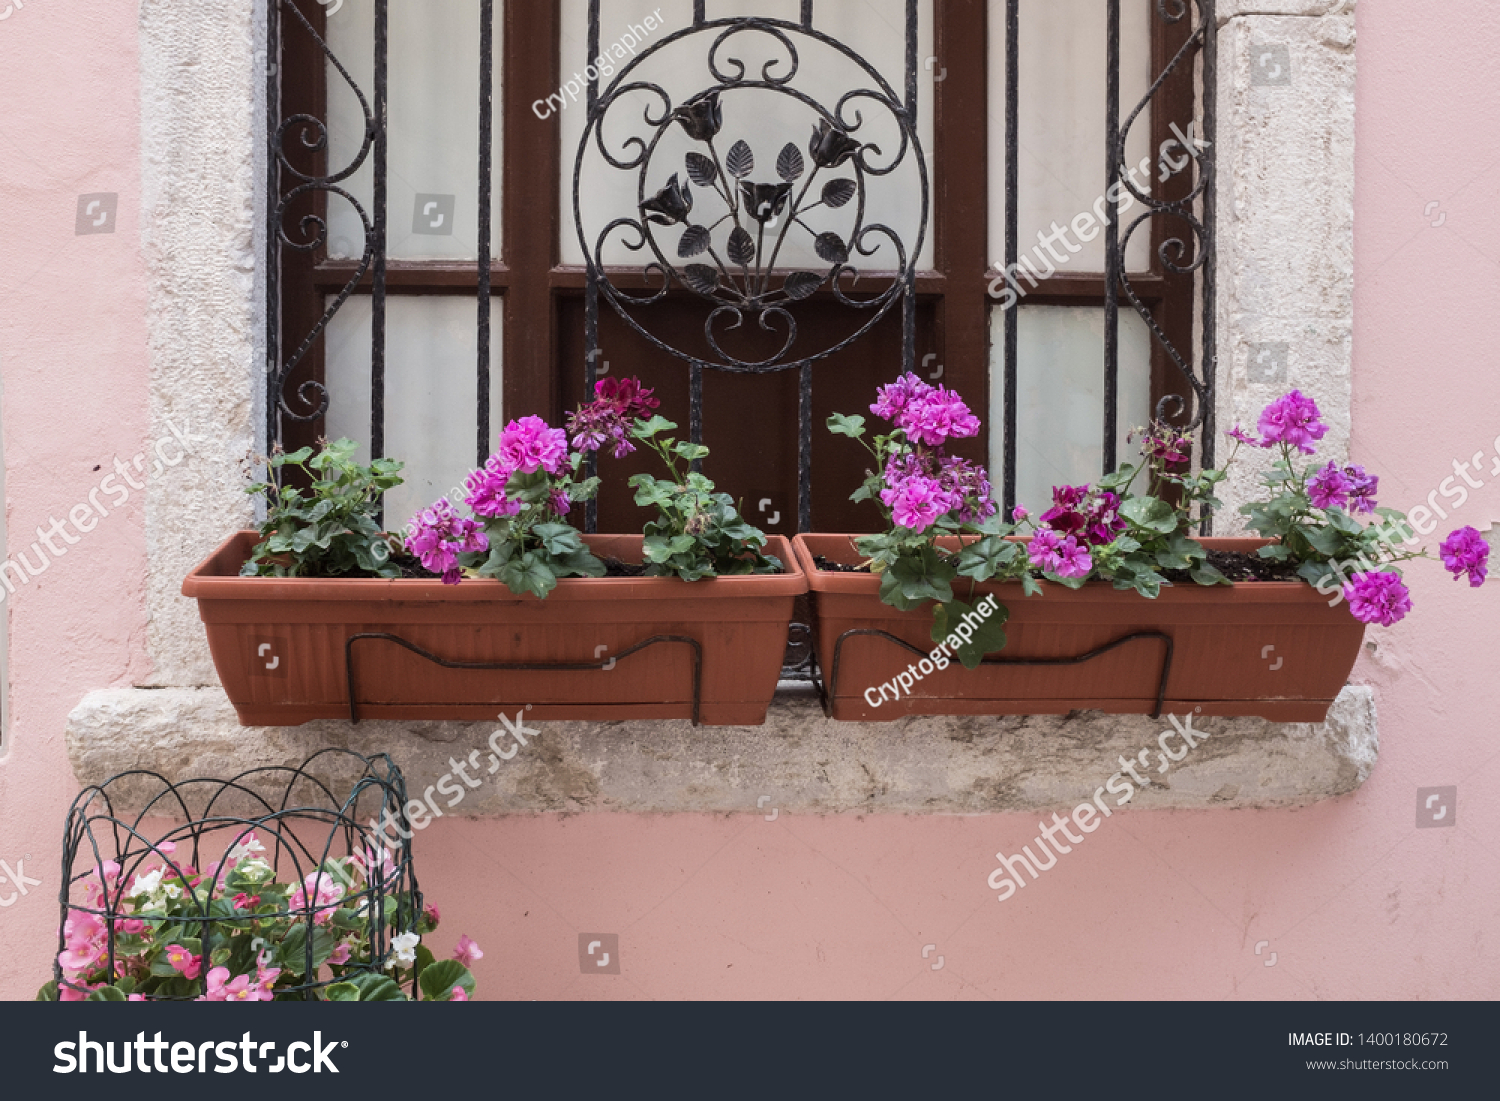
{"points": [[923, 484], [1347, 487], [609, 418], [438, 535], [1081, 518], [931, 415], [1465, 552]]}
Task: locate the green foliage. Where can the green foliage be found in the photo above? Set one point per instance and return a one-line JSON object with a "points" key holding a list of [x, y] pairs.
{"points": [[697, 532], [330, 528], [988, 633], [530, 551], [1324, 544]]}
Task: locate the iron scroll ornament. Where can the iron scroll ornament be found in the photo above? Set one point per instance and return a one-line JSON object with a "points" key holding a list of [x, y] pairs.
{"points": [[727, 256]]}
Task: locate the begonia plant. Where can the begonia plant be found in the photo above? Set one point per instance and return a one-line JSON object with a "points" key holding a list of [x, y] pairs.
{"points": [[234, 932]]}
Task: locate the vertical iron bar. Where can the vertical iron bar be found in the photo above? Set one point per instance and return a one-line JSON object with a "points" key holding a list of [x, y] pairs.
{"points": [[807, 14], [1207, 165], [1012, 237], [909, 312], [377, 291], [591, 297], [911, 62], [695, 404], [486, 141], [273, 224], [1112, 259], [804, 449], [699, 13]]}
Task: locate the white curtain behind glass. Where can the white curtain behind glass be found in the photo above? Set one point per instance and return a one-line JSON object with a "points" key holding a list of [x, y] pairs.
{"points": [[433, 88]]}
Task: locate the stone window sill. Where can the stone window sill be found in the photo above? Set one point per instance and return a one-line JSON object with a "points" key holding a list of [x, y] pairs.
{"points": [[797, 763]]}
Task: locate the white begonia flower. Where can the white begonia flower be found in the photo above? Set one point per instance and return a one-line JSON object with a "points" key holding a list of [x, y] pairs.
{"points": [[147, 884], [245, 848], [173, 891], [255, 869], [405, 945]]}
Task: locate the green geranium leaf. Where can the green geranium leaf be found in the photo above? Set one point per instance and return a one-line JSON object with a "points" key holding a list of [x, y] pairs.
{"points": [[1208, 574], [987, 633], [528, 574], [840, 425], [1149, 512], [559, 539], [342, 992]]}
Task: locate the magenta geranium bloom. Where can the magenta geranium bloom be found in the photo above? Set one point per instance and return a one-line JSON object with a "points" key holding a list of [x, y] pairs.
{"points": [[1293, 420], [1362, 489], [1238, 433], [892, 401], [1466, 552], [916, 502], [529, 445], [1329, 488], [438, 535], [1378, 597]]}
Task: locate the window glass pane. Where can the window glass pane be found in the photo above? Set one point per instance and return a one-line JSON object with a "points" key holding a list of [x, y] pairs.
{"points": [[767, 120], [431, 390], [1060, 144], [433, 148], [1060, 396]]}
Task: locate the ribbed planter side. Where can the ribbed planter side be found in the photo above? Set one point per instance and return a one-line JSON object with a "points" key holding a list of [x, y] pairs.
{"points": [[283, 652], [1269, 649]]}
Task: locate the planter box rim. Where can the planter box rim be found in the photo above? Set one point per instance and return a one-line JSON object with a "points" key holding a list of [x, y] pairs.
{"points": [[211, 580], [824, 581]]}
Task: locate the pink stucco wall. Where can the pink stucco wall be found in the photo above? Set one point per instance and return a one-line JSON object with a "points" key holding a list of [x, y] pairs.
{"points": [[1353, 900]]}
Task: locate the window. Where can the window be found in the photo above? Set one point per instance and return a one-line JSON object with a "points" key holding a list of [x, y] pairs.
{"points": [[436, 386]]}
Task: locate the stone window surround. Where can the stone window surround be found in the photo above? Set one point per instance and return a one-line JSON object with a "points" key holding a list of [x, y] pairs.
{"points": [[1285, 265]]}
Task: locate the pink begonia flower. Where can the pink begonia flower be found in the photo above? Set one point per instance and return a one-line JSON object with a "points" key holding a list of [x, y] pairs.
{"points": [[432, 912], [458, 995], [325, 890], [243, 901], [340, 955], [136, 998], [184, 962], [529, 445], [1466, 552], [1378, 597], [1293, 420], [466, 952], [222, 989], [85, 943]]}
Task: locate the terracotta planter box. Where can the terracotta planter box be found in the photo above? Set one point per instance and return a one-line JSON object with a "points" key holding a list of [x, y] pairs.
{"points": [[290, 651], [1273, 649]]}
